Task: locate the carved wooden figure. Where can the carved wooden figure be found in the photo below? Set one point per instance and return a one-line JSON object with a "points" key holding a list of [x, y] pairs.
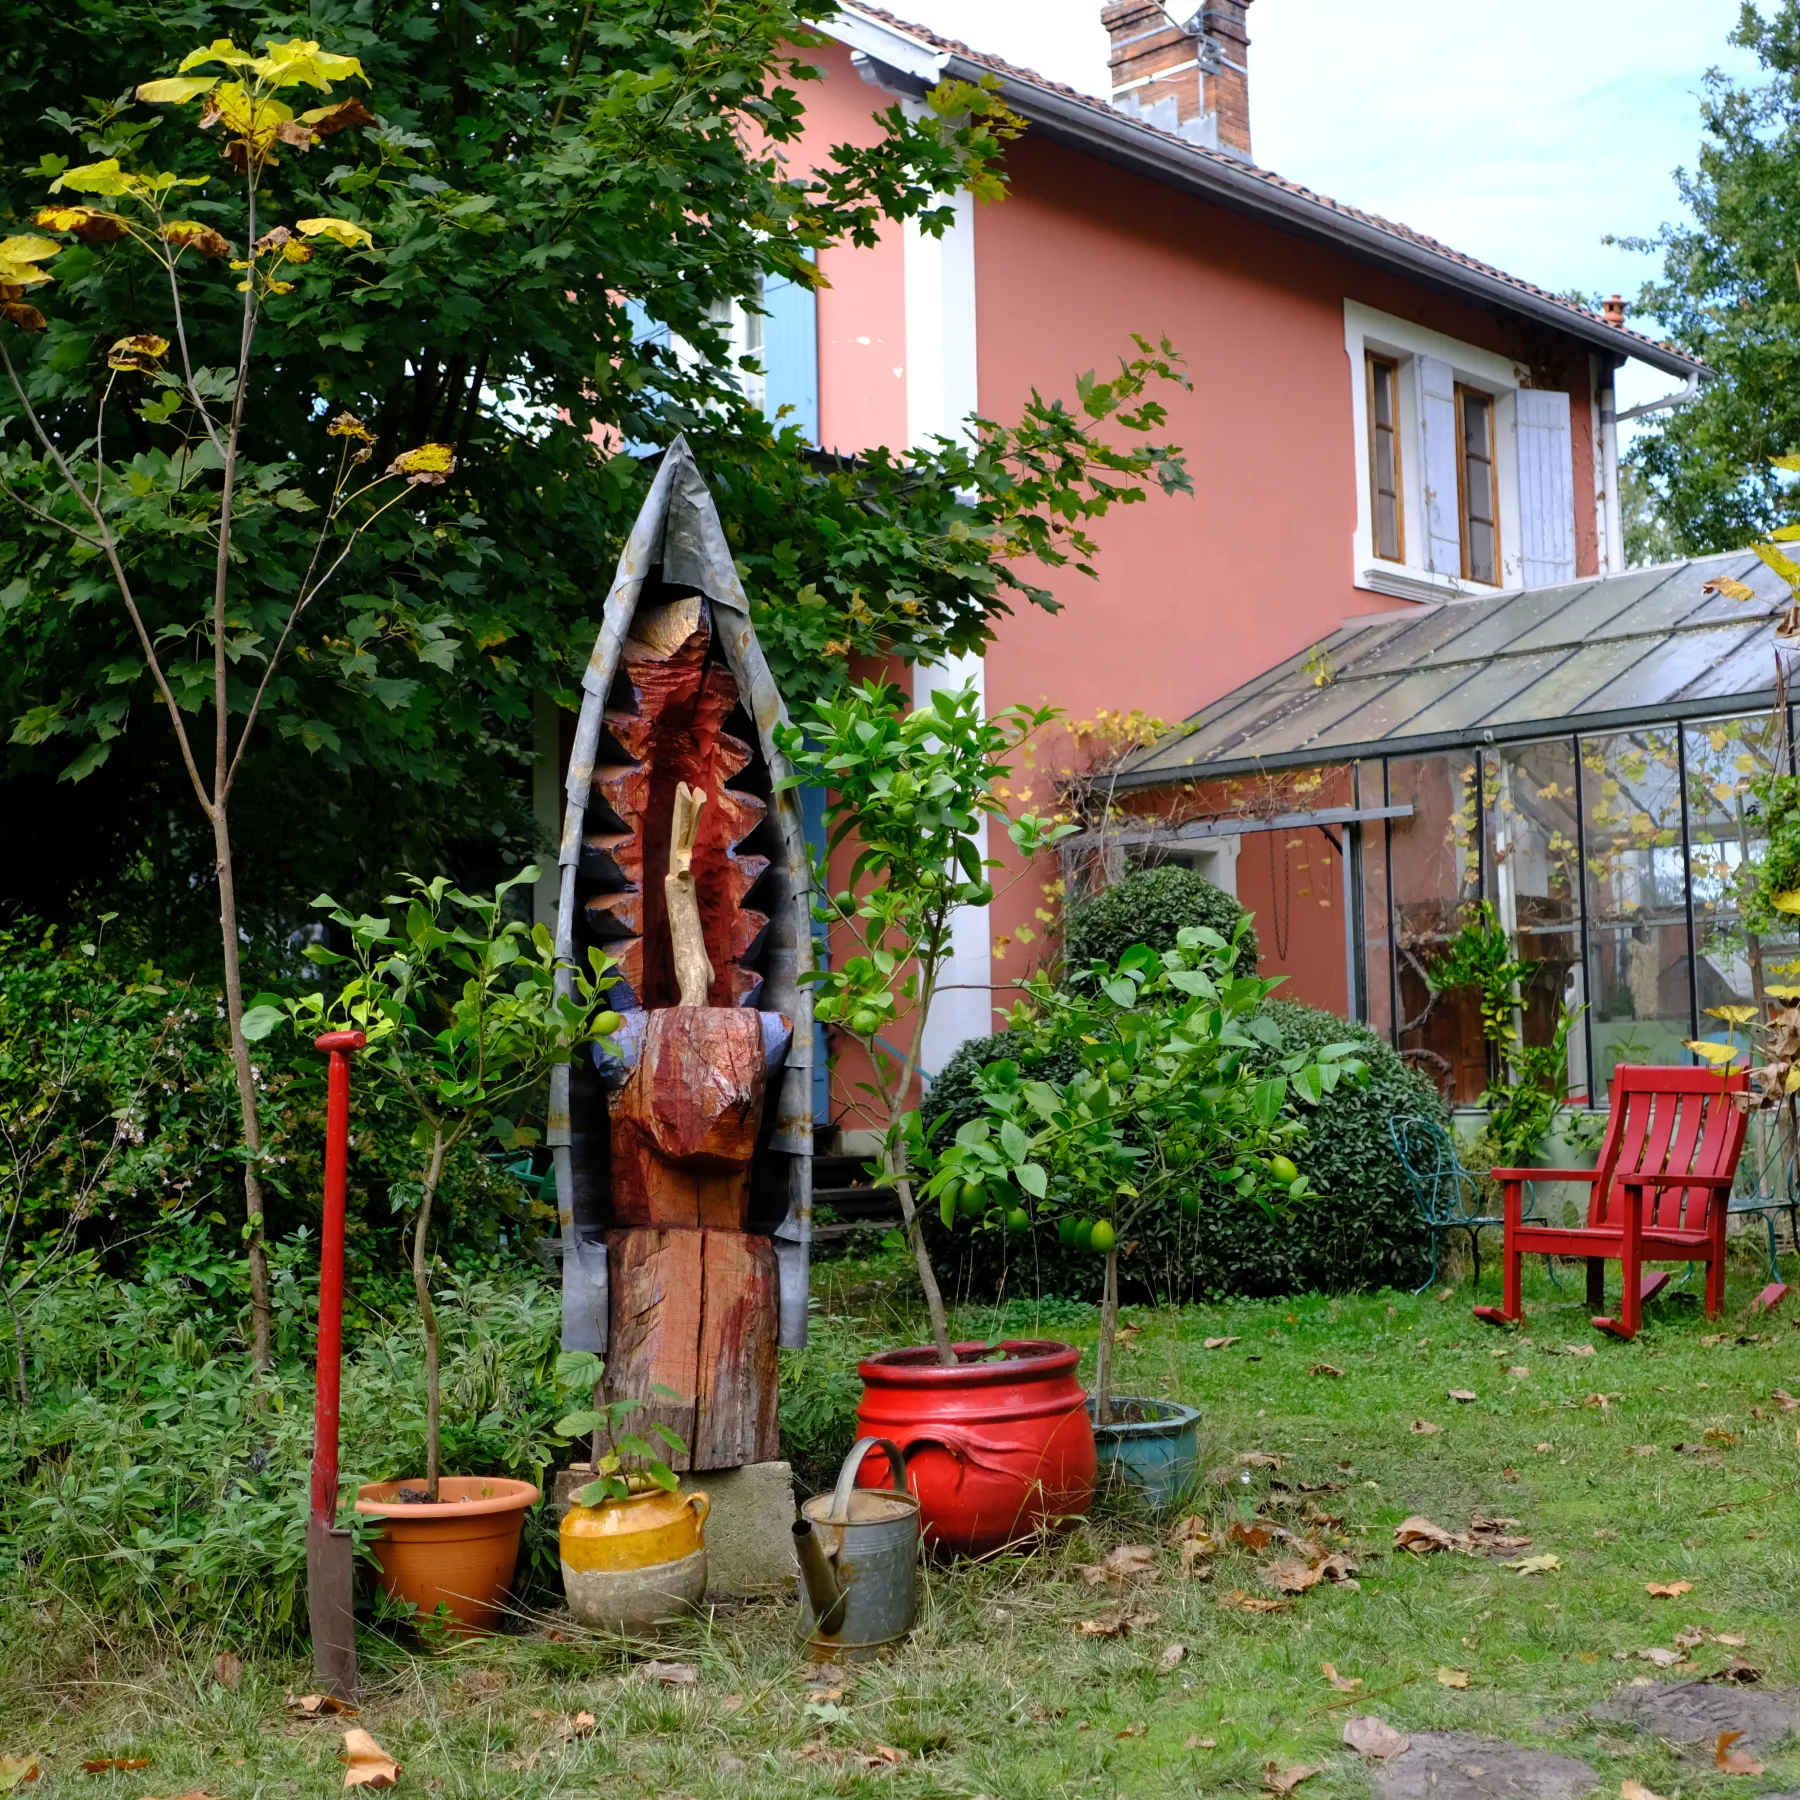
{"points": [[683, 1163]]}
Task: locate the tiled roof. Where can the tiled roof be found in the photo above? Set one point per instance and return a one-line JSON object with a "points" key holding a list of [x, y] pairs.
{"points": [[1235, 170]]}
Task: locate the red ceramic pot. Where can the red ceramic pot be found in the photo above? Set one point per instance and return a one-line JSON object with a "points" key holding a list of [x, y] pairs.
{"points": [[997, 1446]]}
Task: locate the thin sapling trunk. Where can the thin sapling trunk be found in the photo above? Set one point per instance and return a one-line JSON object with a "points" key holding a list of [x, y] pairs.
{"points": [[1103, 1352], [421, 1268]]}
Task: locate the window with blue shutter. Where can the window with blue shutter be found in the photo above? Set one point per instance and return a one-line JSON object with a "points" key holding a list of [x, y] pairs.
{"points": [[1437, 464], [790, 354], [1546, 489]]}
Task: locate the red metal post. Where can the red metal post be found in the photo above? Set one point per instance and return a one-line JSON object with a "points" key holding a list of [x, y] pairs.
{"points": [[339, 1045]]}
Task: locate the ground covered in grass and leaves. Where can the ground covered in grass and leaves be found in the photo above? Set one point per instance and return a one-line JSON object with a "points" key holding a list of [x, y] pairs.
{"points": [[1596, 1523]]}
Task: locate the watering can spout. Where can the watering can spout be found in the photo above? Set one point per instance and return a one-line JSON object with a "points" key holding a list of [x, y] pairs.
{"points": [[818, 1577]]}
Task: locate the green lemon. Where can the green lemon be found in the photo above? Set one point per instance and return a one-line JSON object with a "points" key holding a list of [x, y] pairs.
{"points": [[1119, 1072], [1065, 1232], [1018, 1219], [865, 1022], [1102, 1237], [1190, 1206], [606, 1023], [1084, 1233], [1283, 1169], [971, 1201]]}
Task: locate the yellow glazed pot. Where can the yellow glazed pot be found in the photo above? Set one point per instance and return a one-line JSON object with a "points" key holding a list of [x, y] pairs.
{"points": [[628, 1565]]}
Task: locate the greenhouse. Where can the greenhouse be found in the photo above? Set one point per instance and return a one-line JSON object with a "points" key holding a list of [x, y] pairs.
{"points": [[1581, 758]]}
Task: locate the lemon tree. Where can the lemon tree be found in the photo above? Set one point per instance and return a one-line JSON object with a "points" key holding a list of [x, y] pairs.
{"points": [[1174, 1105]]}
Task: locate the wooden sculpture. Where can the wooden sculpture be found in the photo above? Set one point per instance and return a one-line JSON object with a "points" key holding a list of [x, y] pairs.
{"points": [[683, 1163]]}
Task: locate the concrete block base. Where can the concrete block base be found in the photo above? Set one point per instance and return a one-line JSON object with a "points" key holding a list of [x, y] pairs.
{"points": [[749, 1531]]}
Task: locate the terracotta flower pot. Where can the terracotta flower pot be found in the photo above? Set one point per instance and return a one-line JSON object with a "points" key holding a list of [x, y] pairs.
{"points": [[460, 1553], [996, 1446]]}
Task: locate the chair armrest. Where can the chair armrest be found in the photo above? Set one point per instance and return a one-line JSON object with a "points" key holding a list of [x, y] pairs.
{"points": [[1719, 1184], [1545, 1174]]}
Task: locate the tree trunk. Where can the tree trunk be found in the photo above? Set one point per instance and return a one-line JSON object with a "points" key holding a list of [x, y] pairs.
{"points": [[934, 1298], [260, 1320], [421, 1267], [1103, 1354]]}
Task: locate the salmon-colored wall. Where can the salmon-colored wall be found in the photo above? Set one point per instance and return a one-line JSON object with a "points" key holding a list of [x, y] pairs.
{"points": [[862, 312]]}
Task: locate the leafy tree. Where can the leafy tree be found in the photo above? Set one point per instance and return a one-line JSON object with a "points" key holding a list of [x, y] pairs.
{"points": [[560, 204], [909, 790], [1730, 294]]}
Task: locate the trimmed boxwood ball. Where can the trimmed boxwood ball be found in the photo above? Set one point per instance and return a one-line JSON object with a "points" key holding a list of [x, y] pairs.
{"points": [[1150, 907], [1360, 1231]]}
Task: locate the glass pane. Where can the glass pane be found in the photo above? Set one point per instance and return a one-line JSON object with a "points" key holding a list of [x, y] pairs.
{"points": [[1378, 972], [1481, 550], [1636, 890], [1381, 380], [1387, 527], [1732, 965], [1533, 880], [1436, 879]]}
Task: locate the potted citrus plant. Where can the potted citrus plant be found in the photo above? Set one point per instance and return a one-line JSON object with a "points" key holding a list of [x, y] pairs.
{"points": [[632, 1544], [1003, 1440], [460, 1009], [1171, 1105]]}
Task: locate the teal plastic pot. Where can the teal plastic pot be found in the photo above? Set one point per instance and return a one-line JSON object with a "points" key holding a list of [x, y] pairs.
{"points": [[1151, 1451]]}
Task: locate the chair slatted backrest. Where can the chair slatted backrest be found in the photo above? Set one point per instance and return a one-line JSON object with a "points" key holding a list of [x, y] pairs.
{"points": [[1668, 1121]]}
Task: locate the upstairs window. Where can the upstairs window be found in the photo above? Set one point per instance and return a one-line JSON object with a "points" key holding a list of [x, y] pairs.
{"points": [[1477, 497], [1388, 519]]}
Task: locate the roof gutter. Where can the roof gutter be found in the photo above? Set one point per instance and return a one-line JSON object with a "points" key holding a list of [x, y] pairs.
{"points": [[1686, 394], [1117, 138]]}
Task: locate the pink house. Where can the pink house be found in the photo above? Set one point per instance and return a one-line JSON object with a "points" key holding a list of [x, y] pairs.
{"points": [[1376, 420]]}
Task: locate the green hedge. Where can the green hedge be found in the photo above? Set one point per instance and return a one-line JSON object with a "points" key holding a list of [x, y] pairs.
{"points": [[1361, 1231], [1150, 907]]}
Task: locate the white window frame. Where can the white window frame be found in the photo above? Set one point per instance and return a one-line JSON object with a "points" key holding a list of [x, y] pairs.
{"points": [[1368, 331]]}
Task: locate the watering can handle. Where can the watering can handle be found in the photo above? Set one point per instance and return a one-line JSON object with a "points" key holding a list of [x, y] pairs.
{"points": [[840, 1495]]}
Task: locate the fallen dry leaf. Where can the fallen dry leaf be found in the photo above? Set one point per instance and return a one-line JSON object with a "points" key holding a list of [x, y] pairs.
{"points": [[1737, 1670], [1784, 1400], [1171, 1658], [1376, 1738], [580, 1725], [1131, 1731], [1238, 1601], [100, 1764], [1543, 1449], [1579, 1350], [369, 1764], [1689, 1638], [1124, 1563], [1277, 1780], [1734, 1762], [1663, 1659], [1635, 1790], [1261, 1459], [17, 1770], [316, 1706], [1602, 1402], [1453, 1678], [1200, 1743], [1535, 1565], [1324, 1369], [1643, 1449], [1255, 1536], [819, 1752], [1668, 1590], [1464, 1395], [881, 1756], [480, 1681], [1422, 1535], [1223, 1343], [1732, 1638], [1345, 1684], [1423, 1428], [229, 1670], [1292, 1576], [1340, 1568], [1120, 1622], [1519, 1372], [670, 1674]]}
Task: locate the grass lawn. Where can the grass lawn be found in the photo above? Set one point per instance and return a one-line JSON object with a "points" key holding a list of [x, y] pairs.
{"points": [[1660, 1461]]}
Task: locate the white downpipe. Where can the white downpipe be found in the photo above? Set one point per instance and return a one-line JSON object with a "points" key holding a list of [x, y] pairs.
{"points": [[941, 393]]}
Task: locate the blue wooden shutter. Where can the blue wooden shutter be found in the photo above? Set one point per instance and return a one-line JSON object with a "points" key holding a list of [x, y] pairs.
{"points": [[791, 354], [1546, 489], [1437, 465]]}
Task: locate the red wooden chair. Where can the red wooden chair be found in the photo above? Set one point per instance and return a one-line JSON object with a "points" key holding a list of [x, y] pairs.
{"points": [[1659, 1193]]}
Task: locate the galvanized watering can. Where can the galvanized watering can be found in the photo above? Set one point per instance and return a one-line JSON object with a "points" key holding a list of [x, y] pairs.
{"points": [[858, 1551]]}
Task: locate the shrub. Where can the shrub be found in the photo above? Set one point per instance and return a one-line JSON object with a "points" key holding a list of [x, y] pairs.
{"points": [[1361, 1231], [1149, 908]]}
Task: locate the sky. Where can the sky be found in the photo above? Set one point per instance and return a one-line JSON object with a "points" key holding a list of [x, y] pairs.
{"points": [[1521, 133]]}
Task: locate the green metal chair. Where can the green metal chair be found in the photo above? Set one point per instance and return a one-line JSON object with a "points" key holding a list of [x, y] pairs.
{"points": [[1448, 1196], [1770, 1190]]}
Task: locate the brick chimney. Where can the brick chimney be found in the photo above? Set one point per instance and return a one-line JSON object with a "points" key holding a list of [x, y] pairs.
{"points": [[1613, 311], [1185, 72]]}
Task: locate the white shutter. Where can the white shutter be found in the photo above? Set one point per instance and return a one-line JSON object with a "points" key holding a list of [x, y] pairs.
{"points": [[1546, 489], [1437, 464]]}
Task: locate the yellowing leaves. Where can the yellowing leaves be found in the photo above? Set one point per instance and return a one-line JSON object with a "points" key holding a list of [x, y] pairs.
{"points": [[176, 88], [428, 466], [190, 234], [1716, 1054], [341, 231], [88, 223], [1730, 588], [141, 354]]}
